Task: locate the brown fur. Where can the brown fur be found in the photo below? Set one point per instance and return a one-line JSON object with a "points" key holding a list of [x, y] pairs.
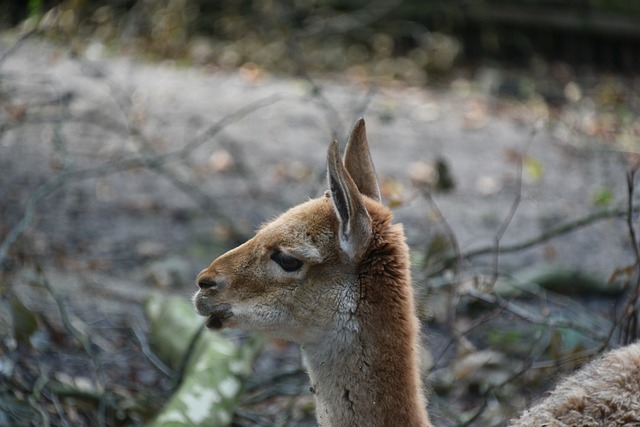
{"points": [[604, 393], [372, 377], [350, 306], [383, 385]]}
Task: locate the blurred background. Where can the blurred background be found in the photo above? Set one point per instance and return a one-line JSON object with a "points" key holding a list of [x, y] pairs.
{"points": [[407, 39], [141, 139]]}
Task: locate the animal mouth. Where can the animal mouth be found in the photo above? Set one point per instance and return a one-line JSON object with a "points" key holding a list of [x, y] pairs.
{"points": [[218, 316]]}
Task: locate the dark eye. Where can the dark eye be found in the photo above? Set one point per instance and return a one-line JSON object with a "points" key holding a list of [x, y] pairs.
{"points": [[288, 263]]}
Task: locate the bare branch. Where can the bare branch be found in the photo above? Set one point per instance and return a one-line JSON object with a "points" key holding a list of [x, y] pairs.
{"points": [[505, 224], [117, 166], [43, 190], [23, 37], [552, 233], [453, 297], [82, 338], [630, 311], [146, 350]]}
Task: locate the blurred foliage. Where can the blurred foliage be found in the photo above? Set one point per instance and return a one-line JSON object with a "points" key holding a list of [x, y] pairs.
{"points": [[282, 37], [405, 40]]}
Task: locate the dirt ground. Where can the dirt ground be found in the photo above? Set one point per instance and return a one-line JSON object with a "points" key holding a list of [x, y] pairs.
{"points": [[120, 177]]}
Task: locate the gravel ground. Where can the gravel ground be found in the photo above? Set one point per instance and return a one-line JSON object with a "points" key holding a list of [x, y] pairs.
{"points": [[131, 177]]}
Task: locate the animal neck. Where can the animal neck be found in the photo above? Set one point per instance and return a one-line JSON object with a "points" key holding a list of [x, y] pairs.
{"points": [[350, 390], [366, 373]]}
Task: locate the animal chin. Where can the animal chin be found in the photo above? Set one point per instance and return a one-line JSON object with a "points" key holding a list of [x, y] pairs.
{"points": [[218, 316]]}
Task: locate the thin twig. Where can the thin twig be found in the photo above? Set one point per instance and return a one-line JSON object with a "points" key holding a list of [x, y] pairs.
{"points": [[453, 298], [572, 358], [205, 202], [44, 190], [225, 121], [630, 328], [524, 314], [459, 334], [16, 45], [35, 399], [366, 100], [117, 166], [146, 350], [505, 224], [631, 177], [82, 338], [59, 410], [629, 309], [552, 233], [296, 52]]}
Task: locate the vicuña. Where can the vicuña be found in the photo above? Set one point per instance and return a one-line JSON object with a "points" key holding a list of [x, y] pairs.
{"points": [[332, 274]]}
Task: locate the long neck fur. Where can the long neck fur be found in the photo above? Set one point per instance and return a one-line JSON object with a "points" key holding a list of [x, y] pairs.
{"points": [[366, 374]]}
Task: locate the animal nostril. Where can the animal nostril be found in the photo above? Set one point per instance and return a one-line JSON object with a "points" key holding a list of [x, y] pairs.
{"points": [[207, 283]]}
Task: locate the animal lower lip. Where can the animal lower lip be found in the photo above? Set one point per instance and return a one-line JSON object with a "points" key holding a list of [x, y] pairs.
{"points": [[216, 318]]}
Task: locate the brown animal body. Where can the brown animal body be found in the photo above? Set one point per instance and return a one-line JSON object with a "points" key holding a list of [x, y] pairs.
{"points": [[603, 393], [332, 275]]}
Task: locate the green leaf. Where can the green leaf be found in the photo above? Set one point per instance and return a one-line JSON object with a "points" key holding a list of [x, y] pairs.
{"points": [[603, 197], [532, 168], [35, 8]]}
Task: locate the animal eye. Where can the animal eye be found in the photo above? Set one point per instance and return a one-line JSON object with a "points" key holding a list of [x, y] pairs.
{"points": [[288, 263]]}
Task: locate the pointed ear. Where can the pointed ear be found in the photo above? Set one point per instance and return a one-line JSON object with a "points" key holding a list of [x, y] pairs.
{"points": [[357, 160], [355, 222]]}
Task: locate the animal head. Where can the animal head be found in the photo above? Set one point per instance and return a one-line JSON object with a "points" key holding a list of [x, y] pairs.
{"points": [[297, 277]]}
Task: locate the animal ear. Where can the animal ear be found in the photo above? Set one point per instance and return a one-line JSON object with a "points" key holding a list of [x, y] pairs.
{"points": [[357, 160], [355, 223]]}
